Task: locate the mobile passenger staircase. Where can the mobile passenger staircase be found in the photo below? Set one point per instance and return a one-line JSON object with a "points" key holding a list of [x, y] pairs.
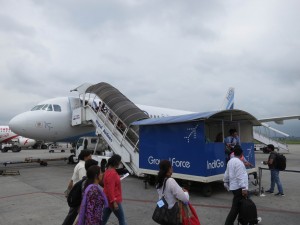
{"points": [[265, 134], [112, 119]]}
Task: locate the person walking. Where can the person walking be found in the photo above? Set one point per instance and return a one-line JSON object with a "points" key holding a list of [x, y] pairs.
{"points": [[167, 186], [236, 181], [274, 172], [94, 200], [78, 173], [113, 191]]}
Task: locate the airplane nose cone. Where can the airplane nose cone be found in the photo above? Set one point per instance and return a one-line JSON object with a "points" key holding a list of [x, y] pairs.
{"points": [[18, 124]]}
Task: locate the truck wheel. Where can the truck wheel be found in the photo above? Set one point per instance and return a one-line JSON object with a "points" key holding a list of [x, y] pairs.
{"points": [[15, 148], [71, 159], [62, 150], [44, 147], [51, 151], [3, 150], [43, 163], [207, 190], [152, 180]]}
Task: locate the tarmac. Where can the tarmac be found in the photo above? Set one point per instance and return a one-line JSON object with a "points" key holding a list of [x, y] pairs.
{"points": [[35, 197]]}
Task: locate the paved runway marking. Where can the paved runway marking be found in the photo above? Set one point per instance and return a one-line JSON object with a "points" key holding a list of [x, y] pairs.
{"points": [[153, 202]]}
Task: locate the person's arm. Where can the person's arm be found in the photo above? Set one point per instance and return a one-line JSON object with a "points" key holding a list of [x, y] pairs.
{"points": [[242, 177], [226, 179], [177, 191], [270, 161], [70, 185], [246, 162]]}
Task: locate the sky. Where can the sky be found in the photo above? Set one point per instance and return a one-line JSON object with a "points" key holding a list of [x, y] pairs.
{"points": [[172, 53]]}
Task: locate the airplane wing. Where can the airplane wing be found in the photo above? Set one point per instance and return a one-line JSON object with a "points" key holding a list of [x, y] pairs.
{"points": [[279, 120]]}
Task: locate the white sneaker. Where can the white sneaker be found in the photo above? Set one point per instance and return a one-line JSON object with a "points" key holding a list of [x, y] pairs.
{"points": [[259, 219]]}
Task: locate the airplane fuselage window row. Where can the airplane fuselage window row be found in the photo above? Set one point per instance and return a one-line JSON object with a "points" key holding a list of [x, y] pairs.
{"points": [[5, 130], [156, 116], [47, 107]]}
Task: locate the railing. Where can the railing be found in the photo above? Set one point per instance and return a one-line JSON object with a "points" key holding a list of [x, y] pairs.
{"points": [[264, 136]]}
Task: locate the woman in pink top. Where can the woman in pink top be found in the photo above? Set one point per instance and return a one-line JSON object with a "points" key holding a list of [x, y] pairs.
{"points": [[113, 191]]}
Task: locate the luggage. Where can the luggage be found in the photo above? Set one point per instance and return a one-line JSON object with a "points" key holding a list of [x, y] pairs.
{"points": [[189, 215], [75, 195], [163, 215], [247, 212], [280, 162]]}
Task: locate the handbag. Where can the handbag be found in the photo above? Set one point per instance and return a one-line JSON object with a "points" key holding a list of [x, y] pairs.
{"points": [[189, 215], [163, 215]]}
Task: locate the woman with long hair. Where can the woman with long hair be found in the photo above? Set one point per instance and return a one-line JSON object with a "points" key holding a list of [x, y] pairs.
{"points": [[167, 186], [94, 200], [113, 190]]}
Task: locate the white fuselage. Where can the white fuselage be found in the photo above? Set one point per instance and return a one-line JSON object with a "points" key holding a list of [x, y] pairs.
{"points": [[50, 120]]}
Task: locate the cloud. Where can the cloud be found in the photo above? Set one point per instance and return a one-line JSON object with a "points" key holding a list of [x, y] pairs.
{"points": [[176, 54]]}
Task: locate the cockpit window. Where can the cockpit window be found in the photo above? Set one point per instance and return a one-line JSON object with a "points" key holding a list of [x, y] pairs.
{"points": [[37, 107], [57, 108], [49, 108], [45, 107]]}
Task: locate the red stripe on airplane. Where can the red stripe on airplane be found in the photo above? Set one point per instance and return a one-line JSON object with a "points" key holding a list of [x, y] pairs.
{"points": [[8, 139]]}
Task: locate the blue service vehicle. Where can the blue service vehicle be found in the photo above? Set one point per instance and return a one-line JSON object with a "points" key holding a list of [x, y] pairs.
{"points": [[193, 145]]}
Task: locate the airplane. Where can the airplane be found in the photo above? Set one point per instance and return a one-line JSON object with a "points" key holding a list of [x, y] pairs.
{"points": [[11, 141], [50, 120]]}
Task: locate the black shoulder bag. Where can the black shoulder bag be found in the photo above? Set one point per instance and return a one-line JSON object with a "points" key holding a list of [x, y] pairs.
{"points": [[164, 215]]}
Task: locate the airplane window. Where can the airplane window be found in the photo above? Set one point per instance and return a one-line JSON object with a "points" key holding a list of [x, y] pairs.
{"points": [[37, 107], [45, 107], [49, 108], [57, 108]]}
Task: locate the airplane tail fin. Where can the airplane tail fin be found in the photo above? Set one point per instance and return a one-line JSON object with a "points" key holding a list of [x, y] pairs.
{"points": [[229, 100]]}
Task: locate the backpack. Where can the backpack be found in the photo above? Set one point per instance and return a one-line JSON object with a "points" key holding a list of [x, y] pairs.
{"points": [[75, 195], [247, 212], [280, 162]]}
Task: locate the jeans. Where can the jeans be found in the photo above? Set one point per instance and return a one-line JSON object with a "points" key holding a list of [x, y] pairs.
{"points": [[275, 179], [234, 211], [118, 213]]}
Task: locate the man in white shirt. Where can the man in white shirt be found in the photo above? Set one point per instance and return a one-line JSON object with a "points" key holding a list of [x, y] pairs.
{"points": [[236, 180], [78, 174], [79, 170]]}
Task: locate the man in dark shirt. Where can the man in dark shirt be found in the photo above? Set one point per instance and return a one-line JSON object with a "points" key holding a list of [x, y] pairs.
{"points": [[274, 172]]}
